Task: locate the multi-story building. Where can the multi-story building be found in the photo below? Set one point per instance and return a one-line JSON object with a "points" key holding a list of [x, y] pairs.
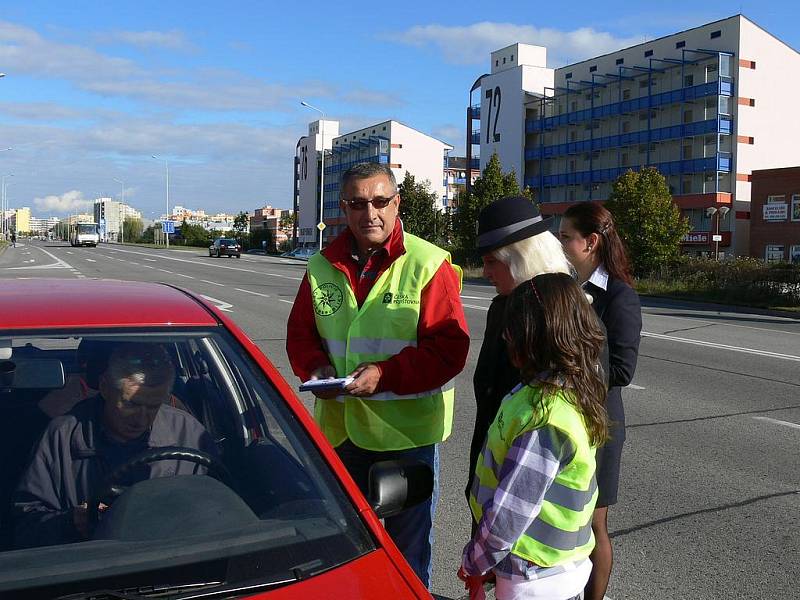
{"points": [[775, 215], [21, 220], [392, 143], [268, 218], [706, 106], [110, 215], [455, 179]]}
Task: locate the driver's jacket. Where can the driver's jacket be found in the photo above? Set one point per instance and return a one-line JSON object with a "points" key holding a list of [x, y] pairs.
{"points": [[68, 466]]}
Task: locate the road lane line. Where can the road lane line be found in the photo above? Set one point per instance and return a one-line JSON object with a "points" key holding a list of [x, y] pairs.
{"points": [[476, 297], [165, 271], [777, 422], [754, 351], [221, 304], [182, 275], [782, 321], [151, 259], [287, 301], [635, 387], [90, 260], [59, 264], [249, 292], [212, 282], [475, 307]]}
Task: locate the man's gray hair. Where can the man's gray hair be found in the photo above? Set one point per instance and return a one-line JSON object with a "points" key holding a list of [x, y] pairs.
{"points": [[366, 170], [141, 364], [541, 253]]}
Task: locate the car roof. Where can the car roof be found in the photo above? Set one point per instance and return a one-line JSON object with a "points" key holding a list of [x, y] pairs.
{"points": [[70, 303]]}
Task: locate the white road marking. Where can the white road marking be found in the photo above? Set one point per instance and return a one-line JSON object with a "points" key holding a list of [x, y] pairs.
{"points": [[777, 422], [287, 301], [187, 276], [151, 259], [754, 351], [68, 251], [782, 321], [212, 282], [59, 264], [148, 267], [249, 292], [90, 260], [214, 264], [475, 307], [165, 271], [222, 305], [135, 263], [633, 386], [476, 297]]}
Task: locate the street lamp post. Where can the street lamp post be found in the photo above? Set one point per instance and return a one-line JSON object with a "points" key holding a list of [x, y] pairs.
{"points": [[321, 223], [122, 201], [720, 212], [166, 168], [4, 204]]}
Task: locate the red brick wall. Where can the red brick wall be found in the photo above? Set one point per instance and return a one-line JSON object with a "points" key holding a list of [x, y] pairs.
{"points": [[773, 182]]}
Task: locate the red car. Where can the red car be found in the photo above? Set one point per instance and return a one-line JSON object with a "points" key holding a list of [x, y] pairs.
{"points": [[266, 510]]}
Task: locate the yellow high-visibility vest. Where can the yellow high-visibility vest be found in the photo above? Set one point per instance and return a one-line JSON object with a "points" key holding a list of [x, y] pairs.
{"points": [[385, 324], [562, 531]]}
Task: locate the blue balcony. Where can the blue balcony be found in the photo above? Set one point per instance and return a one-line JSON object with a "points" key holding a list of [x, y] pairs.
{"points": [[475, 138], [475, 111], [719, 162], [720, 125], [712, 88], [475, 164], [341, 167]]}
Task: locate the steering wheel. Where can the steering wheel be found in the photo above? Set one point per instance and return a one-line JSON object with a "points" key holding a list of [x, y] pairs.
{"points": [[110, 490]]}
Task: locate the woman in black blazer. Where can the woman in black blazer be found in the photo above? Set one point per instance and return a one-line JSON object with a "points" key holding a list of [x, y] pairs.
{"points": [[594, 247]]}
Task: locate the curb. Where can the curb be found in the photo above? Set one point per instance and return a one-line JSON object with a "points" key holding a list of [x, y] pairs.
{"points": [[653, 300]]}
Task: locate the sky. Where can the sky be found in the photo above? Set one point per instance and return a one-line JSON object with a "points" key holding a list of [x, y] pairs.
{"points": [[94, 89]]}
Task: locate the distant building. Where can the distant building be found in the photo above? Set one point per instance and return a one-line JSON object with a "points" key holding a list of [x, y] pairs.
{"points": [[110, 215], [21, 220], [391, 143], [455, 179], [706, 106], [775, 215], [269, 219]]}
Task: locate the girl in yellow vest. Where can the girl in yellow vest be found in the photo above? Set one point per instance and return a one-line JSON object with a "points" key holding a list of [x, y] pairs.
{"points": [[534, 489]]}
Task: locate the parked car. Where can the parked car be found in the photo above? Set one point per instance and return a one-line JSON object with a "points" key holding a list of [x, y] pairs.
{"points": [[270, 512], [301, 253], [225, 247]]}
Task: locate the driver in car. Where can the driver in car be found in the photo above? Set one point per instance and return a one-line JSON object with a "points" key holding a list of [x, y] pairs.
{"points": [[78, 451]]}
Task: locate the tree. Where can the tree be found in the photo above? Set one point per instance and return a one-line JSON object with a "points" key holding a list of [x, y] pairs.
{"points": [[492, 185], [132, 229], [194, 235], [647, 220], [418, 210], [241, 223], [287, 220]]}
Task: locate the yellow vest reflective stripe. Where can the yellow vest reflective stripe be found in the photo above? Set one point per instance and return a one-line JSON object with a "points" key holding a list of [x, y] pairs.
{"points": [[385, 324], [563, 529]]}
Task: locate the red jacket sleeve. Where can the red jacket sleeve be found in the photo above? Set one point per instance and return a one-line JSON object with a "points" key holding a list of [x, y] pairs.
{"points": [[303, 343], [442, 340]]}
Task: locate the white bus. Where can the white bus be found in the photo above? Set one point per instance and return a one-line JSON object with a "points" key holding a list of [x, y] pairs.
{"points": [[84, 234]]}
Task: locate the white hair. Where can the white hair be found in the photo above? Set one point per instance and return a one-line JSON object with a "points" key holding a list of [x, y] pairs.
{"points": [[541, 253]]}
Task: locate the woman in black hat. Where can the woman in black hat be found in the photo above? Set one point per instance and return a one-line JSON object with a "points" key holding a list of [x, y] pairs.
{"points": [[516, 245]]}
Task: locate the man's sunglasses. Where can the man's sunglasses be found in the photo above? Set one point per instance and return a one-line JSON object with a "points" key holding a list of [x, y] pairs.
{"points": [[362, 204]]}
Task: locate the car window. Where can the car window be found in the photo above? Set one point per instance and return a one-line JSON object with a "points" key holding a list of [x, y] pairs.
{"points": [[202, 474]]}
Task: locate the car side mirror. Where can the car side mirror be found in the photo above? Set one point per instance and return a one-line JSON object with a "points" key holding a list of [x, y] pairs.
{"points": [[396, 485]]}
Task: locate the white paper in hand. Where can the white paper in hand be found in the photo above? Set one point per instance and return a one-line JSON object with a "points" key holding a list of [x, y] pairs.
{"points": [[338, 383]]}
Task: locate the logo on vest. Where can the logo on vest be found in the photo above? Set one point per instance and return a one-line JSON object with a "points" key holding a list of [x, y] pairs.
{"points": [[398, 298], [327, 299]]}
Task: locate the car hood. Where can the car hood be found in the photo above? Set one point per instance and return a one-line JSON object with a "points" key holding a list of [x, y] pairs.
{"points": [[372, 576]]}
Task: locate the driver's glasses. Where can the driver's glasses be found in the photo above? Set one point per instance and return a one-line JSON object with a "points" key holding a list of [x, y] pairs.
{"points": [[358, 204]]}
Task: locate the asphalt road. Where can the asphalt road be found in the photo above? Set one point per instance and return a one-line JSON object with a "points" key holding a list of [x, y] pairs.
{"points": [[710, 497]]}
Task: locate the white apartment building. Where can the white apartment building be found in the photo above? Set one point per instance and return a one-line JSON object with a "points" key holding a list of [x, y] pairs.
{"points": [[392, 143], [706, 106], [110, 215]]}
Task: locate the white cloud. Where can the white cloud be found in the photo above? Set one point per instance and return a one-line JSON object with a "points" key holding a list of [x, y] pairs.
{"points": [[471, 44], [172, 40], [66, 203]]}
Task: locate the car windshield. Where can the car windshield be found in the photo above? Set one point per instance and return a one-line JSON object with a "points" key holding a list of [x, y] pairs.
{"points": [[227, 242], [202, 475]]}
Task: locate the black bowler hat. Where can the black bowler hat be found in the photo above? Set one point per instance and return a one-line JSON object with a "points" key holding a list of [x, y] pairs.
{"points": [[509, 220]]}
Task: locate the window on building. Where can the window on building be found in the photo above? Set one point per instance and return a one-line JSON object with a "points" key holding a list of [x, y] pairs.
{"points": [[504, 60], [620, 61], [688, 116], [642, 83], [686, 185], [512, 58], [688, 80], [680, 45], [571, 166], [796, 207], [724, 105], [686, 152], [626, 94], [573, 136], [571, 197], [568, 76], [794, 254], [593, 68], [648, 53], [774, 253], [624, 159], [626, 126], [715, 34], [573, 106], [497, 63]]}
